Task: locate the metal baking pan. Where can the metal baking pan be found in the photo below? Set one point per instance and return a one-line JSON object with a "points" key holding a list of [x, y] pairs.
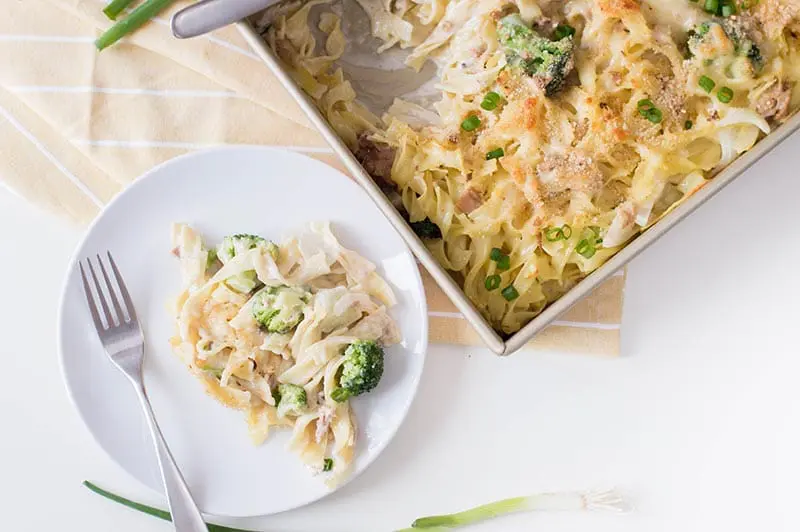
{"points": [[440, 275]]}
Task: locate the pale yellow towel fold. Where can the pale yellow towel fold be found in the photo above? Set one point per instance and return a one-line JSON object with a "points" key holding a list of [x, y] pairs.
{"points": [[77, 126]]}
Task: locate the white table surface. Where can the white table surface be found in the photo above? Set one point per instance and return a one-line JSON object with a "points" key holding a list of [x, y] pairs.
{"points": [[697, 421]]}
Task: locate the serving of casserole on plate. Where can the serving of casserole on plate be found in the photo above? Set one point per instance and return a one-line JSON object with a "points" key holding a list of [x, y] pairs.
{"points": [[548, 135]]}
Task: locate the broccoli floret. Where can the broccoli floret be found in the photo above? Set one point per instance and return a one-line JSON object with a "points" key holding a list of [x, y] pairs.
{"points": [[548, 62], [707, 41], [278, 309], [361, 371], [291, 399], [426, 229], [233, 245]]}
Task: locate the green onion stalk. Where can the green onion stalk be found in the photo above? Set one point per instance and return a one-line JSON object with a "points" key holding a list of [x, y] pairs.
{"points": [[136, 19], [149, 510], [609, 500], [116, 7]]}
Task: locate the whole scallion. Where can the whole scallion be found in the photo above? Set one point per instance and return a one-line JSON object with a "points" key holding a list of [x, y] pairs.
{"points": [[149, 510], [137, 18]]}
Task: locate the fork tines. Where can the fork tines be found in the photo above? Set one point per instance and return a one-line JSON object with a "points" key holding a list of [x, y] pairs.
{"points": [[115, 314]]}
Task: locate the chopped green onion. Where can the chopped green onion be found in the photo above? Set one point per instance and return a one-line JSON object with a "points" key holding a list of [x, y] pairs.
{"points": [[137, 18], [495, 154], [649, 111], [554, 234], [492, 282], [490, 101], [645, 105], [116, 7], [562, 31], [687, 124], [471, 123], [706, 83], [327, 464], [725, 95], [711, 6], [510, 293], [586, 249], [504, 263], [727, 10]]}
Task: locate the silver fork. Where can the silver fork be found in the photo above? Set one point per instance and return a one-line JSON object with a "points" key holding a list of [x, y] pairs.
{"points": [[122, 339]]}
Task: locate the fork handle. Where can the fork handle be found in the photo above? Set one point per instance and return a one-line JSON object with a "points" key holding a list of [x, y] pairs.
{"points": [[186, 516]]}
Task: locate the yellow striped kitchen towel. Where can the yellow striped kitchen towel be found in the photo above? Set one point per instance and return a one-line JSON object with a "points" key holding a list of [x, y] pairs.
{"points": [[77, 126]]}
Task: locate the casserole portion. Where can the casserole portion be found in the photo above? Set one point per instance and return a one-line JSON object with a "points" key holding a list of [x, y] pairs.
{"points": [[557, 130]]}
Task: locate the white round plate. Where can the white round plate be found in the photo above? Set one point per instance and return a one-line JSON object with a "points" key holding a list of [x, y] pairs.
{"points": [[234, 190]]}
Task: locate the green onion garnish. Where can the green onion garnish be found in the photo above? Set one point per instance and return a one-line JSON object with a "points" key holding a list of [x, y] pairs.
{"points": [[711, 6], [492, 282], [648, 110], [706, 83], [471, 123], [504, 263], [554, 234], [562, 31], [586, 249], [327, 464], [490, 101], [510, 293], [495, 154], [727, 10], [687, 124], [725, 95]]}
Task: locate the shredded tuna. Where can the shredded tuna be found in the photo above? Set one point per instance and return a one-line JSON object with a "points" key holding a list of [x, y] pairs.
{"points": [[469, 201], [775, 102], [323, 423]]}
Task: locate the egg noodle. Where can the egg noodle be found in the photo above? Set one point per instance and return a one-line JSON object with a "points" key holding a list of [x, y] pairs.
{"points": [[281, 366], [534, 181]]}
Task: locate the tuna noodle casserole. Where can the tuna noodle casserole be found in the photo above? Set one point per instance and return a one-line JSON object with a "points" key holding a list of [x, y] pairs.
{"points": [[562, 129]]}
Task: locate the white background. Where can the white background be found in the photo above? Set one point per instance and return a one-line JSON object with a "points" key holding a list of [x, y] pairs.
{"points": [[697, 422]]}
